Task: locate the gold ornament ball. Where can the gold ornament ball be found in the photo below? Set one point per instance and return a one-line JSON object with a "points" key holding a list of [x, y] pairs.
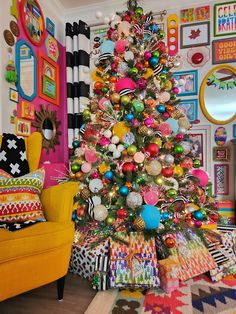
{"points": [[79, 175], [159, 180], [143, 130], [157, 140], [139, 224], [131, 150], [120, 129], [170, 242], [115, 98], [178, 170], [85, 193]]}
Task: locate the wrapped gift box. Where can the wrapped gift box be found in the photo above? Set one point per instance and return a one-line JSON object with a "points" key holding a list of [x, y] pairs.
{"points": [[168, 273], [134, 265], [83, 257], [226, 210]]}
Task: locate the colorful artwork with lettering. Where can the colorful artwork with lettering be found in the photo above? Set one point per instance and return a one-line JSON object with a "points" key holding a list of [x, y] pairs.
{"points": [[224, 50], [195, 14], [225, 18], [52, 48]]}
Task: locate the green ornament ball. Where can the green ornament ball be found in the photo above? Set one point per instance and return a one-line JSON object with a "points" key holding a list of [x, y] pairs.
{"points": [[162, 76], [131, 150], [178, 149], [172, 193], [173, 97], [196, 163], [156, 53], [125, 100], [139, 11], [138, 106], [75, 167], [109, 221], [104, 89], [133, 71], [161, 34], [203, 212], [86, 115]]}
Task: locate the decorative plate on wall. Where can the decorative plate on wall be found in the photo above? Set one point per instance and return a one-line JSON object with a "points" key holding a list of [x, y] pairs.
{"points": [[33, 21]]}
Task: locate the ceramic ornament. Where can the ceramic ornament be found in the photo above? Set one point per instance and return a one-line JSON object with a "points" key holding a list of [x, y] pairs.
{"points": [[198, 57], [9, 38], [15, 28], [220, 136]]}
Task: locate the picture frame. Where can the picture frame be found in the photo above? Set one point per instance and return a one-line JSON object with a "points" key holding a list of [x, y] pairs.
{"points": [[189, 80], [221, 179], [50, 26], [222, 16], [27, 110], [195, 35], [23, 127], [52, 48], [234, 130], [201, 134], [48, 79], [192, 15], [190, 107], [220, 50], [13, 95], [221, 153]]}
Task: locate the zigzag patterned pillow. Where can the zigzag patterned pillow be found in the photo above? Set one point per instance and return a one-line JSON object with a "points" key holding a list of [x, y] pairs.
{"points": [[19, 197]]}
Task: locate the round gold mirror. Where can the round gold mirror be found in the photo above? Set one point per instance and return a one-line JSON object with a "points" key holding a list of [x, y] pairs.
{"points": [[47, 124], [218, 94]]}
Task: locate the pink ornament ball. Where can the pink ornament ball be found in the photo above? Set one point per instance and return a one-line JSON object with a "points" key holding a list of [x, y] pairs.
{"points": [[147, 55], [201, 175], [150, 198], [179, 137], [90, 156], [120, 45], [166, 115], [148, 122], [95, 175], [139, 157], [175, 90], [86, 167], [165, 129], [198, 224], [104, 141]]}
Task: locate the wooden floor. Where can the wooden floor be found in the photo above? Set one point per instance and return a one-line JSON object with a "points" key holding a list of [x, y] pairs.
{"points": [[77, 296]]}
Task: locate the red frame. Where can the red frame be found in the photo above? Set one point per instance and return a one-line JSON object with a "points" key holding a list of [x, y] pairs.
{"points": [[41, 58], [22, 14], [226, 192]]}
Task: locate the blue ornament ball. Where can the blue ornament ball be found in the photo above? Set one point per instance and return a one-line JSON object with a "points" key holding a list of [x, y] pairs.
{"points": [[108, 175], [151, 216], [164, 71], [75, 144], [153, 61], [154, 28], [123, 190], [173, 124], [165, 216], [161, 108], [198, 215], [74, 216], [129, 117]]}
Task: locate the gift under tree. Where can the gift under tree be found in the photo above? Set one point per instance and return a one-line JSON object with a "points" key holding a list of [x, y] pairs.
{"points": [[134, 162]]}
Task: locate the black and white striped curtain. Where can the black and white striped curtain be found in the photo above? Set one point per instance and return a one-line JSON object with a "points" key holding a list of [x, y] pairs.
{"points": [[78, 75]]}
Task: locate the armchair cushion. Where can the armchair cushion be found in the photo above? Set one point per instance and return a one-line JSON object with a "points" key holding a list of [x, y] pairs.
{"points": [[19, 198]]}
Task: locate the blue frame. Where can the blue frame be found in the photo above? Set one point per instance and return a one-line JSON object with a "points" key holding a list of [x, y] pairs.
{"points": [[195, 82], [193, 115], [20, 90], [234, 130], [50, 27]]}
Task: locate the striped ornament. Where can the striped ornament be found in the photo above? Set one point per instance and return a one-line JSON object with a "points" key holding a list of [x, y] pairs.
{"points": [[90, 204], [158, 69]]}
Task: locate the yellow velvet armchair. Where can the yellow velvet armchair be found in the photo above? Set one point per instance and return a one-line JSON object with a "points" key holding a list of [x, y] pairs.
{"points": [[40, 254]]}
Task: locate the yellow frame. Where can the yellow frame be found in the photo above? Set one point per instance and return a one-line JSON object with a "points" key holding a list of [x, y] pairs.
{"points": [[201, 94]]}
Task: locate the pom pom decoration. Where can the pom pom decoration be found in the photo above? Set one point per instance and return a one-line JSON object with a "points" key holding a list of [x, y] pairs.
{"points": [[151, 217]]}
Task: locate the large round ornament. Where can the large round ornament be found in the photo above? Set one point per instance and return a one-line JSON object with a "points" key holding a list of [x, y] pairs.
{"points": [[139, 157], [151, 216], [153, 168], [167, 172], [201, 175], [134, 200], [173, 124], [128, 167], [151, 198], [120, 45], [100, 212], [120, 129], [95, 185], [123, 190], [152, 149], [138, 106], [124, 27]]}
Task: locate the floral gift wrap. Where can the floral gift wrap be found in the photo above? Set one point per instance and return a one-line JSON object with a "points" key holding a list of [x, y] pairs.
{"points": [[134, 265]]}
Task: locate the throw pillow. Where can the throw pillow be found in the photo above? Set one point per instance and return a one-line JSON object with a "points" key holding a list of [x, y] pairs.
{"points": [[19, 197], [13, 155]]}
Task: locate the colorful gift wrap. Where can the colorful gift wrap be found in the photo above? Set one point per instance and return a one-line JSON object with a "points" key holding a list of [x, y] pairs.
{"points": [[83, 257], [134, 265], [101, 279], [226, 210], [168, 273], [194, 257]]}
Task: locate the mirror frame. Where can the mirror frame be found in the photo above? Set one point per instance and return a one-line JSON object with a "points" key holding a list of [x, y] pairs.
{"points": [[40, 116], [202, 90], [23, 95]]}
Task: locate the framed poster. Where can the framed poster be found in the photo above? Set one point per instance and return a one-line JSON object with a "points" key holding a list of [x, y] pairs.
{"points": [[224, 18], [194, 35], [23, 127], [48, 79], [13, 95], [200, 137], [52, 48], [224, 50], [27, 110], [195, 14], [221, 179], [221, 153], [188, 82], [50, 26], [190, 108]]}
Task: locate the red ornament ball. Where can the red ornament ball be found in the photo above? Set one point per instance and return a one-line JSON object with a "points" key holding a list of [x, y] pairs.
{"points": [[128, 167], [214, 217], [80, 211], [152, 149], [188, 217], [167, 172], [197, 58], [122, 213]]}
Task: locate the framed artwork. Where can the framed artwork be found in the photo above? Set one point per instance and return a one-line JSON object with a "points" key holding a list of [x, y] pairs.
{"points": [[52, 48], [33, 21], [220, 50], [195, 14], [23, 127], [221, 179], [13, 95], [188, 82], [221, 153], [50, 26], [224, 15], [195, 35], [97, 37], [48, 79], [27, 110], [234, 130], [200, 137], [190, 108]]}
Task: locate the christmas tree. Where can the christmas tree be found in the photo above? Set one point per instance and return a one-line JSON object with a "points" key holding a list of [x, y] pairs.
{"points": [[135, 162]]}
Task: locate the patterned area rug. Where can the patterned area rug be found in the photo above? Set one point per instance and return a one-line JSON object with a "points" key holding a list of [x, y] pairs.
{"points": [[198, 295]]}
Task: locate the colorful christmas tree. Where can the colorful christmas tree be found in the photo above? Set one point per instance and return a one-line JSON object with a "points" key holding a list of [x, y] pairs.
{"points": [[135, 162]]}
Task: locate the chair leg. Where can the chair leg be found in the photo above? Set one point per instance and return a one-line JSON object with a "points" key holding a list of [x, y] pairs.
{"points": [[60, 288]]}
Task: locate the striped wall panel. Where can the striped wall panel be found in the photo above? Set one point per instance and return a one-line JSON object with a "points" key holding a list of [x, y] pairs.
{"points": [[78, 74]]}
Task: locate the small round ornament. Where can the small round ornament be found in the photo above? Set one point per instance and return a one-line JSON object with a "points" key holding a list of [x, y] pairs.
{"points": [[128, 55], [115, 97], [112, 148], [151, 216], [115, 139], [120, 147], [152, 149], [123, 190], [133, 71], [116, 154], [178, 149], [187, 163], [128, 167], [122, 213], [198, 224], [75, 144], [86, 167], [138, 106], [128, 138], [134, 200], [198, 215], [139, 157], [165, 216], [108, 175], [109, 221], [131, 150], [173, 124], [147, 55], [107, 133], [169, 159], [120, 45], [96, 200], [165, 129], [75, 167], [196, 163], [129, 117], [153, 62], [167, 172], [79, 175], [178, 170], [120, 129], [143, 130], [125, 100], [154, 168], [170, 242], [95, 185], [100, 212], [172, 193], [159, 180], [124, 27], [139, 224], [90, 155], [139, 11], [161, 108], [151, 197]]}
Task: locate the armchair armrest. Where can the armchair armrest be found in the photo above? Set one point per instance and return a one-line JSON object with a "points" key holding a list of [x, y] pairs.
{"points": [[58, 201]]}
